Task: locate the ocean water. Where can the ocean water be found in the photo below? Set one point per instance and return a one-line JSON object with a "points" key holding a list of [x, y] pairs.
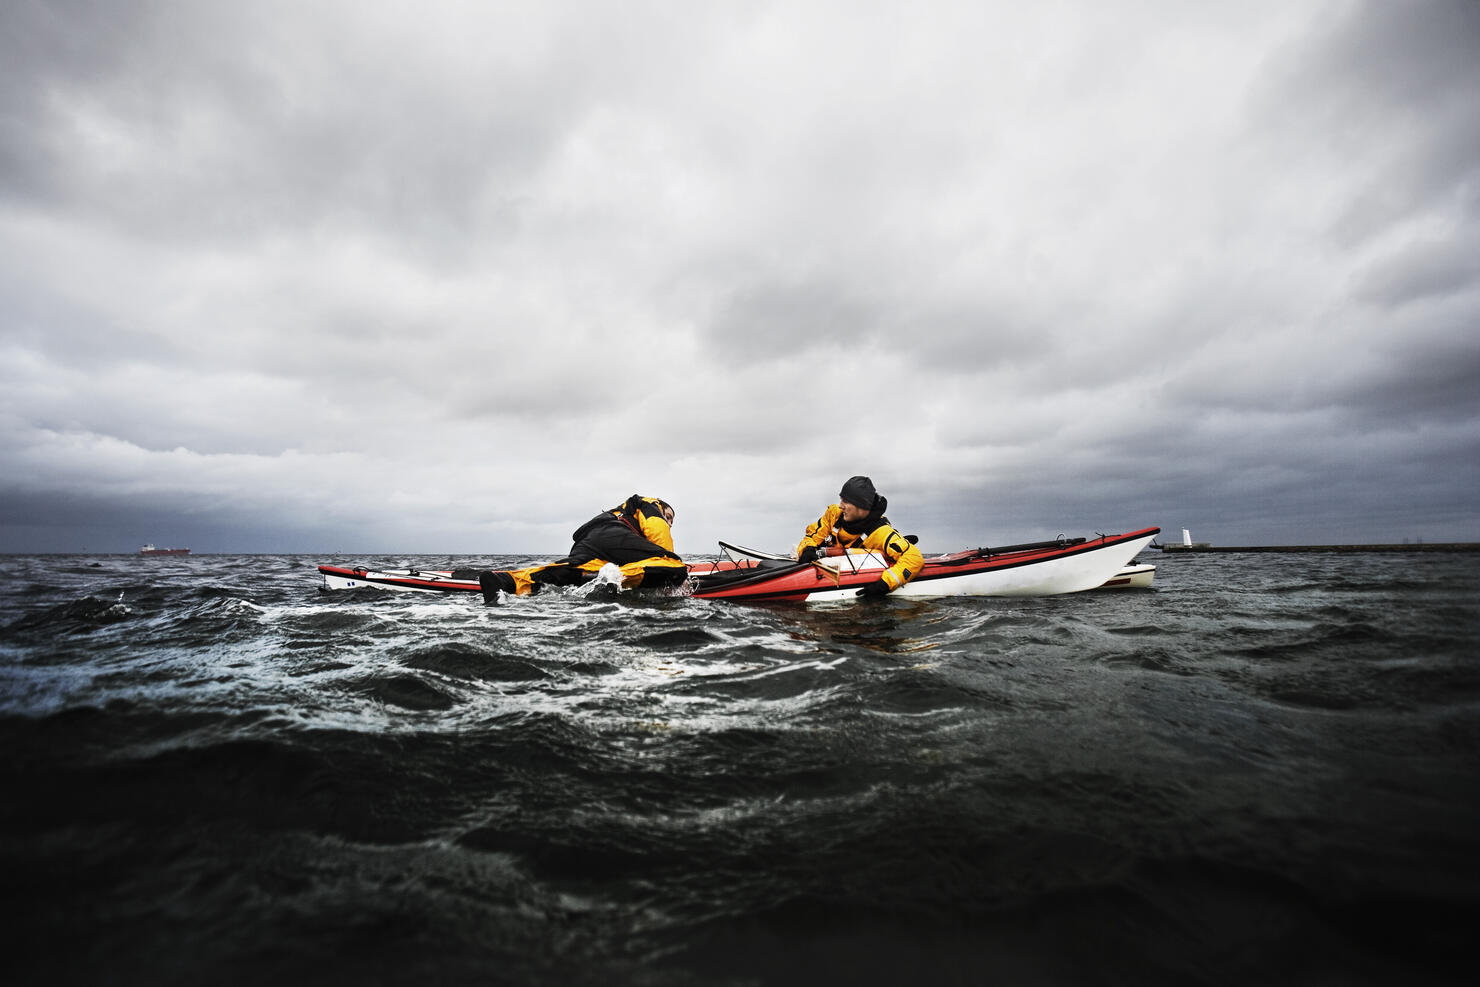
{"points": [[1264, 770]]}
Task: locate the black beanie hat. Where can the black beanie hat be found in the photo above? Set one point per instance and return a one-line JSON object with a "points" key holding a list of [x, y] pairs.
{"points": [[859, 490]]}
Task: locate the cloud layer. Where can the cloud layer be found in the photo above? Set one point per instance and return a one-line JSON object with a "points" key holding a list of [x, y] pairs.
{"points": [[452, 277]]}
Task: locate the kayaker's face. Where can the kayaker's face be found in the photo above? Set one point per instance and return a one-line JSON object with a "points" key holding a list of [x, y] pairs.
{"points": [[852, 512]]}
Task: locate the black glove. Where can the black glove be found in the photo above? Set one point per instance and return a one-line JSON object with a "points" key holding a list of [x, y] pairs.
{"points": [[874, 590], [808, 554]]}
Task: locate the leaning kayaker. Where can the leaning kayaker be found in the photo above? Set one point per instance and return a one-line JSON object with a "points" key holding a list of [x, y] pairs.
{"points": [[858, 521], [636, 536]]}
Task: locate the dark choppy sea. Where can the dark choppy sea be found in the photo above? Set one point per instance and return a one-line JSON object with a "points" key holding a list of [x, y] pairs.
{"points": [[1265, 770]]}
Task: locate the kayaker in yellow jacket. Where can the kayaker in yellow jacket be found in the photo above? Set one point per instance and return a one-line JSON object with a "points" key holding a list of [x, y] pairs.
{"points": [[858, 521], [636, 536]]}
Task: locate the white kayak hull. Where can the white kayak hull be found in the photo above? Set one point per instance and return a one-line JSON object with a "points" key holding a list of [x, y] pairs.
{"points": [[1069, 574]]}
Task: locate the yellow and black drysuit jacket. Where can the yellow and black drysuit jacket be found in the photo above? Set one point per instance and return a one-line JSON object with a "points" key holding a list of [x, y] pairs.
{"points": [[633, 536], [874, 533]]}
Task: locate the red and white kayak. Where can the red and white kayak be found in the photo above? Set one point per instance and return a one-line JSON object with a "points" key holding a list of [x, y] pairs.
{"points": [[1039, 569]]}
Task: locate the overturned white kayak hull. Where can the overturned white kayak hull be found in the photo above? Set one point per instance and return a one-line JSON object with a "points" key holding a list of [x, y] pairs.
{"points": [[1132, 576]]}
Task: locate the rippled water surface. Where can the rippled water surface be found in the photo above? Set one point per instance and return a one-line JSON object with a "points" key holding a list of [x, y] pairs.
{"points": [[1263, 770]]}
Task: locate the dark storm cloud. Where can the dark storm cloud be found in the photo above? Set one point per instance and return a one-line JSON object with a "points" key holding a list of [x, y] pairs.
{"points": [[41, 44], [84, 522], [786, 318], [1422, 376], [1433, 269], [157, 118], [1395, 85]]}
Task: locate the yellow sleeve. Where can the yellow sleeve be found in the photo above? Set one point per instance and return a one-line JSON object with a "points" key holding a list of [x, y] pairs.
{"points": [[656, 530], [904, 558], [818, 531]]}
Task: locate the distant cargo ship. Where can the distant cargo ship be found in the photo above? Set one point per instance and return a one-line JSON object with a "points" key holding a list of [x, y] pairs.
{"points": [[151, 550]]}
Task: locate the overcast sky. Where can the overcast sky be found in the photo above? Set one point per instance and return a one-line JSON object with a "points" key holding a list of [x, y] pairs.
{"points": [[433, 277]]}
